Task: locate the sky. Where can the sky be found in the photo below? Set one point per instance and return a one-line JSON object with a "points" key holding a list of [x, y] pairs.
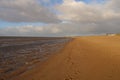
{"points": [[59, 17]]}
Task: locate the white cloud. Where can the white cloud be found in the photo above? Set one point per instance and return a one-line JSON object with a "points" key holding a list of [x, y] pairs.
{"points": [[83, 12], [63, 29], [104, 16], [29, 30]]}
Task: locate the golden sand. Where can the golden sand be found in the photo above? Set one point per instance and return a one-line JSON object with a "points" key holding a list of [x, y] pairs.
{"points": [[84, 58]]}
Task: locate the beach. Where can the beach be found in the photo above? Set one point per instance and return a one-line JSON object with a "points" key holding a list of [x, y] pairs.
{"points": [[84, 58]]}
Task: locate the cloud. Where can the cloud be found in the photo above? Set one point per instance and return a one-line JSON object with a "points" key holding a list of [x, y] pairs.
{"points": [[29, 30], [26, 11], [78, 18], [92, 12], [63, 29], [91, 18]]}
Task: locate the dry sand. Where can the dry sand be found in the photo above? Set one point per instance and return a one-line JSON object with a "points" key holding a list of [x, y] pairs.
{"points": [[84, 58]]}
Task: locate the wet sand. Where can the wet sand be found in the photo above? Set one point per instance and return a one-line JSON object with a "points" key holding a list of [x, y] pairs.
{"points": [[20, 54], [84, 58]]}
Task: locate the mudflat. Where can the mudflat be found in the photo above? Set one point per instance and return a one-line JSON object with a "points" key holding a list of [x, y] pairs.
{"points": [[84, 58], [20, 54]]}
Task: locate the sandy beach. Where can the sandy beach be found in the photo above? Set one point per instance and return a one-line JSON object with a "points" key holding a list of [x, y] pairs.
{"points": [[84, 58], [59, 39]]}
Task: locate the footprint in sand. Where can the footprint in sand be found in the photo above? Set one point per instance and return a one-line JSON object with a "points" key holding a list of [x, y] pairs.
{"points": [[69, 79]]}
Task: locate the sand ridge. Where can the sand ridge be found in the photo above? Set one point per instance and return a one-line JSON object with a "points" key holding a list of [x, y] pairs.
{"points": [[84, 58]]}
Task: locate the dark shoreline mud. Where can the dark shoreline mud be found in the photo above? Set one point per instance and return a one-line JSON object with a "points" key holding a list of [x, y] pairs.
{"points": [[20, 54]]}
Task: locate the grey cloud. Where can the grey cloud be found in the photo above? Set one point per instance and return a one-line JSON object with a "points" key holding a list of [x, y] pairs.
{"points": [[25, 11], [78, 19]]}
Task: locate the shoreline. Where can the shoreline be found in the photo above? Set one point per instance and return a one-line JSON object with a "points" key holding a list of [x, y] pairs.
{"points": [[48, 47], [84, 58]]}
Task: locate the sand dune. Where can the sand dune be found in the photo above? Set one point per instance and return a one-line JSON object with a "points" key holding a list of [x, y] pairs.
{"points": [[84, 58]]}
